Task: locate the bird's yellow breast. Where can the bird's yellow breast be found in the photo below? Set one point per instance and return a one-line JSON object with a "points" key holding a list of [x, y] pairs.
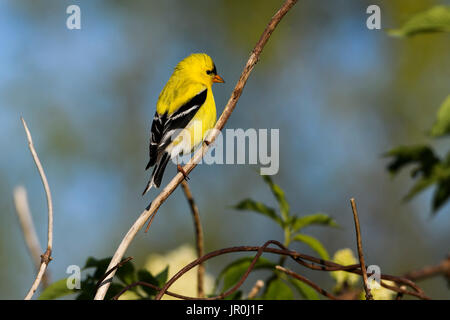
{"points": [[176, 93], [198, 127]]}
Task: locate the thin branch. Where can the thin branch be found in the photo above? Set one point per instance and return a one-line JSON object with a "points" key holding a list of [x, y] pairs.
{"points": [[146, 284], [360, 251], [430, 271], [29, 232], [256, 289], [46, 257], [298, 257], [308, 282], [167, 191], [117, 266], [332, 266], [198, 261], [198, 237], [402, 290], [163, 290]]}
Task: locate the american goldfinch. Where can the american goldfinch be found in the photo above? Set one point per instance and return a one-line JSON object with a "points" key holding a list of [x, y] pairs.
{"points": [[186, 102]]}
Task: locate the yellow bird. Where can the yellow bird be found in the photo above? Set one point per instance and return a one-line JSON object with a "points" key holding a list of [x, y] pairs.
{"points": [[186, 102]]}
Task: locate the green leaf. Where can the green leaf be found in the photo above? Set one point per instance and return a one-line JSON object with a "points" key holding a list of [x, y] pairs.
{"points": [[429, 167], [100, 266], [442, 125], [92, 262], [249, 204], [235, 296], [312, 219], [422, 155], [56, 290], [277, 289], [441, 195], [441, 177], [279, 195], [314, 244], [305, 290], [145, 276], [126, 273], [436, 19], [232, 273], [114, 289], [88, 289], [420, 185], [447, 160], [162, 277]]}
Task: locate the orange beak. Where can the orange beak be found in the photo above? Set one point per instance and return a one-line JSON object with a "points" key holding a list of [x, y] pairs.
{"points": [[218, 79]]}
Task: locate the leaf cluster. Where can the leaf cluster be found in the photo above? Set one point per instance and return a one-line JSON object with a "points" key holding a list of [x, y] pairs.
{"points": [[125, 275], [278, 286], [428, 169]]}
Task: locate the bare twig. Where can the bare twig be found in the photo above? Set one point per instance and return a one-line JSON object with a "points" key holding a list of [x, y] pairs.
{"points": [[167, 191], [442, 268], [146, 284], [46, 257], [255, 290], [307, 281], [298, 257], [403, 290], [99, 282], [198, 237], [327, 266], [360, 251], [28, 229], [198, 261]]}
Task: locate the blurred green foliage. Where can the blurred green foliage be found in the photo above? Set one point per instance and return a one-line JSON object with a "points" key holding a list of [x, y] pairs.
{"points": [[442, 124], [125, 275], [436, 19], [278, 284], [429, 169], [291, 224]]}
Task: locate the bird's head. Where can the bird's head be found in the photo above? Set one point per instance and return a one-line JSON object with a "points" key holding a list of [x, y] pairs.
{"points": [[199, 67]]}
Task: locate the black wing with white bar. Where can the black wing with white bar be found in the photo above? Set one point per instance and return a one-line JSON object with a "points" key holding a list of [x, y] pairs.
{"points": [[164, 127]]}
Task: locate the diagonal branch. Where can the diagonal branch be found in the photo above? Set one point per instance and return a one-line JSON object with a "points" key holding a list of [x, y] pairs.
{"points": [[28, 229], [229, 291], [46, 257], [255, 290], [429, 271], [117, 266], [325, 265], [150, 285], [167, 191], [360, 251], [198, 238]]}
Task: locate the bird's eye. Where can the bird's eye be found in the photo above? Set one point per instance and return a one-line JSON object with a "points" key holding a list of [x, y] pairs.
{"points": [[208, 72]]}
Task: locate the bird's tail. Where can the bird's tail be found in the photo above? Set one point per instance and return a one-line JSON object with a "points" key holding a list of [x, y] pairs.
{"points": [[158, 172]]}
